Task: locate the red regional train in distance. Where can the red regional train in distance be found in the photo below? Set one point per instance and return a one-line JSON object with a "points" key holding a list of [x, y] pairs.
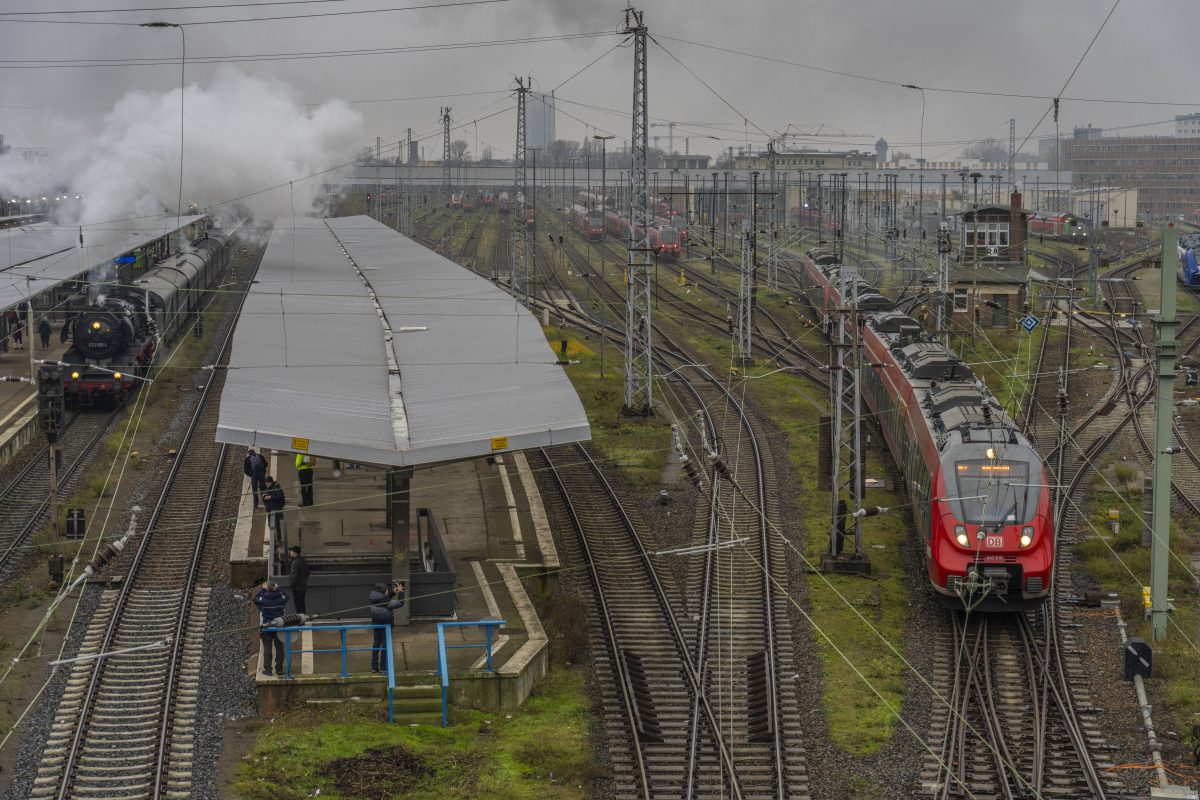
{"points": [[979, 493], [664, 240], [588, 221]]}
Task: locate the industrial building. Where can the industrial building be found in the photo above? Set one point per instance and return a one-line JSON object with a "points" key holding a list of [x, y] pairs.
{"points": [[1164, 169]]}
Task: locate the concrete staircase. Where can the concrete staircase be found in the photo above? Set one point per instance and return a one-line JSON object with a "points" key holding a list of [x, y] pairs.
{"points": [[413, 704]]}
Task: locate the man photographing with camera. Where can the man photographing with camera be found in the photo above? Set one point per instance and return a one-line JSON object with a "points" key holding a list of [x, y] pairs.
{"points": [[384, 600]]}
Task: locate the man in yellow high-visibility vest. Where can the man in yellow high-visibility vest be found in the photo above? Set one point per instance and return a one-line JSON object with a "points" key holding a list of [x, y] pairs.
{"points": [[304, 468]]}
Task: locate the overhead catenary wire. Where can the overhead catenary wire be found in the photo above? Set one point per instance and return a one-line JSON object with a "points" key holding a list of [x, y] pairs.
{"points": [[318, 15]]}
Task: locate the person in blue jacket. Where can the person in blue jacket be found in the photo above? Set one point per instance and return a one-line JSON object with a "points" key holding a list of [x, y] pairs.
{"points": [[271, 603], [383, 601]]}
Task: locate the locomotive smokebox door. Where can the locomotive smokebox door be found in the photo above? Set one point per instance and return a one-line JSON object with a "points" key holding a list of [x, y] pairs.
{"points": [[1138, 658]]}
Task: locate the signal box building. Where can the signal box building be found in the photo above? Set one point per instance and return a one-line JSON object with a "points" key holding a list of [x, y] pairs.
{"points": [[989, 275]]}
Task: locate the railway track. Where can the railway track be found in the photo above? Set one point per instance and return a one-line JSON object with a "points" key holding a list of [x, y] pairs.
{"points": [[25, 501], [650, 674], [733, 642], [124, 726]]}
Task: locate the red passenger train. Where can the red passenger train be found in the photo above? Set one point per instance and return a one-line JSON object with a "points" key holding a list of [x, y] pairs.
{"points": [[979, 493], [664, 239], [588, 221]]}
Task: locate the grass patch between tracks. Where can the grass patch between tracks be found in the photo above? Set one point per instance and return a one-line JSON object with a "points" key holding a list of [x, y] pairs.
{"points": [[350, 751], [859, 720], [638, 446]]}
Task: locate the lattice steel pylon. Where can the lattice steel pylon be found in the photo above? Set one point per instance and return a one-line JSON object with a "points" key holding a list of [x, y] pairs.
{"points": [[1012, 154], [772, 268], [445, 112], [745, 309], [943, 284], [519, 270], [846, 400], [639, 355]]}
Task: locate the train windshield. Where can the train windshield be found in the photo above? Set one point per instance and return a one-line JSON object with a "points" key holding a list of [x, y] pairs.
{"points": [[668, 235], [994, 492]]}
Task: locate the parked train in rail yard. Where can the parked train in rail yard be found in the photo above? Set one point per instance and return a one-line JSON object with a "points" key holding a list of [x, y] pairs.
{"points": [[1189, 270], [114, 338], [979, 492]]}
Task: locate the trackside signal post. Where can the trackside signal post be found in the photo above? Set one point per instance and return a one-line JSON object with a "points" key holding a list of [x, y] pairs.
{"points": [[1164, 344], [50, 422]]}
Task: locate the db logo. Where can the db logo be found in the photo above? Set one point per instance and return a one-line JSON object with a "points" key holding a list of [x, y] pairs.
{"points": [[994, 541]]}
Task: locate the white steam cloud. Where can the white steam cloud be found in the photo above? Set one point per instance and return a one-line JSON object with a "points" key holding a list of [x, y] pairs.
{"points": [[242, 134]]}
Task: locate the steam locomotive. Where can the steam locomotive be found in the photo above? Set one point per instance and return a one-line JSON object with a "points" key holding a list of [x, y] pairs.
{"points": [[980, 498], [115, 337]]}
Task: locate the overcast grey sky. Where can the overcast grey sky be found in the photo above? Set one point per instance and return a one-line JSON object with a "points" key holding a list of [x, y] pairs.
{"points": [[1022, 47]]}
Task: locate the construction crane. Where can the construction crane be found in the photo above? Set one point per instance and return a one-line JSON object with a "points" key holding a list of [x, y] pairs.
{"points": [[670, 126]]}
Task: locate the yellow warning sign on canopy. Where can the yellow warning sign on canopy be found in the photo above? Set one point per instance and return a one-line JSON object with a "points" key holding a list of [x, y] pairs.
{"points": [[300, 444], [499, 442]]}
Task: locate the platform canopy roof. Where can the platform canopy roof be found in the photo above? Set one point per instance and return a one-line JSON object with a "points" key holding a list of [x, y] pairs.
{"points": [[357, 343], [40, 257]]}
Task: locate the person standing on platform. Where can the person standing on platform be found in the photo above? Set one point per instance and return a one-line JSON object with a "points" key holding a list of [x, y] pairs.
{"points": [[274, 501], [255, 466], [44, 332], [384, 601], [271, 603], [298, 577], [304, 469]]}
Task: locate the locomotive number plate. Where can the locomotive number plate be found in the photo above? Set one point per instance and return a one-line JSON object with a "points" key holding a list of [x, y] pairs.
{"points": [[994, 541]]}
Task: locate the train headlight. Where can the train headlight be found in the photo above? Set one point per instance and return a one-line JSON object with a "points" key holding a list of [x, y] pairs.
{"points": [[75, 376], [960, 533], [117, 376], [95, 326], [1026, 536]]}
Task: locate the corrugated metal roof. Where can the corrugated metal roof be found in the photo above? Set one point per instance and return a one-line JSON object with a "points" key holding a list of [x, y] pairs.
{"points": [[39, 257], [311, 358]]}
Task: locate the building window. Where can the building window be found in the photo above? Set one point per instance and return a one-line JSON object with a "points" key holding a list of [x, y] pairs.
{"points": [[960, 299], [985, 234]]}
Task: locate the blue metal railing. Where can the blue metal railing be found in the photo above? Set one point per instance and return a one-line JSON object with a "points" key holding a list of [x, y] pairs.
{"points": [[345, 650], [443, 669]]}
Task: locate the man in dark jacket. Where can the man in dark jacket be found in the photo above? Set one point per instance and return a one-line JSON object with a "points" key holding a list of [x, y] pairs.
{"points": [[383, 600], [43, 329], [271, 603], [274, 501], [255, 467], [298, 575]]}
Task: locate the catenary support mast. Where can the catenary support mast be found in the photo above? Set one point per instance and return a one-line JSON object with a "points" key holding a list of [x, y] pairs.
{"points": [[639, 395]]}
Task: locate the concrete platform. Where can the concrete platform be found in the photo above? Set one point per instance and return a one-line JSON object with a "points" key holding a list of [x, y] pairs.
{"points": [[495, 530], [18, 399]]}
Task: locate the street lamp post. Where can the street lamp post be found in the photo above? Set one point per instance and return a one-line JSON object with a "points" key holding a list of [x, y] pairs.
{"points": [[182, 87]]}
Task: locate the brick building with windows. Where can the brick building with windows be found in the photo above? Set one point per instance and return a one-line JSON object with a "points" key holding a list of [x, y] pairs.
{"points": [[989, 276]]}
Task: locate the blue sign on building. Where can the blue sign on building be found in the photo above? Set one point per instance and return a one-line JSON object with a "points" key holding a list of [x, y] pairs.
{"points": [[1029, 323], [125, 260]]}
